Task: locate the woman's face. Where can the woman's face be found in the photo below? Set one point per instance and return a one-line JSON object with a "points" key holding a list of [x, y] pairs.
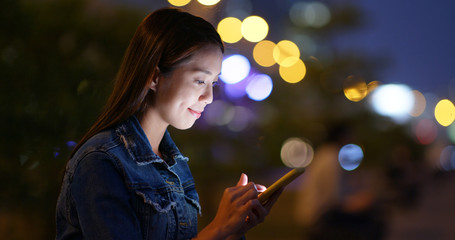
{"points": [[182, 95]]}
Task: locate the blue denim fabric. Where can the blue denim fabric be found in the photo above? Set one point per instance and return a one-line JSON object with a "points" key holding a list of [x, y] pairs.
{"points": [[116, 187]]}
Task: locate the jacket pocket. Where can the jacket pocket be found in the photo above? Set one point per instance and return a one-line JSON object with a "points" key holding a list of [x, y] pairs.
{"points": [[155, 212], [159, 201]]}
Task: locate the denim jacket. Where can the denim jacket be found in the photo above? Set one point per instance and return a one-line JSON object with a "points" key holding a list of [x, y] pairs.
{"points": [[116, 187]]}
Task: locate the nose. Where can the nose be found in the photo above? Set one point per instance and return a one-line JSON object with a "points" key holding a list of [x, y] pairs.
{"points": [[207, 95]]}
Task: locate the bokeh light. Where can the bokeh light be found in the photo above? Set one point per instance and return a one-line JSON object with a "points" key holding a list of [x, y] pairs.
{"points": [[222, 113], [208, 2], [219, 113], [419, 104], [296, 153], [355, 88], [371, 86], [294, 73], [393, 100], [234, 69], [236, 90], [425, 131], [254, 28], [241, 119], [444, 112], [306, 44], [451, 132], [263, 53], [179, 3], [286, 53], [447, 158], [313, 14], [71, 144], [230, 29], [259, 87], [238, 8], [350, 156]]}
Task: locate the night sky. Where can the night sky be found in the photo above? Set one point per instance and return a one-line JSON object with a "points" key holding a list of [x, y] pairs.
{"points": [[417, 36]]}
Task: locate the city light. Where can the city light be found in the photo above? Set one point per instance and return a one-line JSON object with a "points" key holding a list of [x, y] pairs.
{"points": [[208, 2], [393, 100], [425, 131], [296, 153], [263, 53], [447, 158], [230, 29], [254, 28], [259, 87], [179, 3], [355, 88], [286, 53], [294, 73], [444, 112], [419, 104], [311, 14], [234, 69], [350, 156]]}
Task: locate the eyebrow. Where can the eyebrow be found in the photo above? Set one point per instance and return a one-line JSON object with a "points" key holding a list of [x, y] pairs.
{"points": [[205, 71]]}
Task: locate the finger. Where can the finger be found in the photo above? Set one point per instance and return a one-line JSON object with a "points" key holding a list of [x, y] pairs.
{"points": [[251, 220], [260, 211], [260, 188], [257, 209], [256, 215], [250, 192], [239, 195], [243, 180]]}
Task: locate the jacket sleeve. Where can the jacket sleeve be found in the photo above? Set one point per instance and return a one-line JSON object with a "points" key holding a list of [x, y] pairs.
{"points": [[102, 201]]}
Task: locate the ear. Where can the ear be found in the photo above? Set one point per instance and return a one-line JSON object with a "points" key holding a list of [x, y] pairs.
{"points": [[153, 82]]}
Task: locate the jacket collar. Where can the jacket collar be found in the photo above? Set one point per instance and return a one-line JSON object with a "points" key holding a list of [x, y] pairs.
{"points": [[135, 141]]}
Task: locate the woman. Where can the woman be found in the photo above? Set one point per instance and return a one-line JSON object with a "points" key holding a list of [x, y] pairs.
{"points": [[126, 179]]}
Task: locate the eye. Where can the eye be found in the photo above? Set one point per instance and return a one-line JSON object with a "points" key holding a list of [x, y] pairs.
{"points": [[200, 82], [215, 84]]}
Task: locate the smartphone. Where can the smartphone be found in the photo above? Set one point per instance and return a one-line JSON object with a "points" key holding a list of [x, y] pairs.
{"points": [[283, 181]]}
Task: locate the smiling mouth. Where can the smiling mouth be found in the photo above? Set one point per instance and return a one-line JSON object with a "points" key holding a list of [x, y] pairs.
{"points": [[195, 113]]}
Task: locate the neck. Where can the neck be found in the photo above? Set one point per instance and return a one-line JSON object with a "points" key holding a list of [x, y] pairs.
{"points": [[154, 130]]}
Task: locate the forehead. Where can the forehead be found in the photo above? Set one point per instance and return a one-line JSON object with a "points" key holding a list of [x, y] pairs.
{"points": [[207, 59]]}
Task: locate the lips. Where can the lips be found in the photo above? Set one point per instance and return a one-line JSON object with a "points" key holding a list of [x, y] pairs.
{"points": [[195, 113]]}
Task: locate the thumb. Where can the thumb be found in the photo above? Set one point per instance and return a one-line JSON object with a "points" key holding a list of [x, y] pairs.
{"points": [[243, 180]]}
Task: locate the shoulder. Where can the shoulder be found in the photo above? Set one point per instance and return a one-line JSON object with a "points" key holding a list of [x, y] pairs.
{"points": [[95, 150]]}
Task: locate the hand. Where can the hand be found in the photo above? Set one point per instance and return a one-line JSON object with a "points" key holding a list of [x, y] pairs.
{"points": [[258, 215], [239, 211]]}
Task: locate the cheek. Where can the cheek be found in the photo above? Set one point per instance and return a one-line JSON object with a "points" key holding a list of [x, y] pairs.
{"points": [[187, 95]]}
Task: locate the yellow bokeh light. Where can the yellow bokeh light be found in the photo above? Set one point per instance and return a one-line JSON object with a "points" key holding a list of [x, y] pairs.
{"points": [[419, 104], [208, 2], [179, 3], [444, 112], [294, 73], [286, 53], [372, 86], [230, 29], [254, 28], [355, 88], [263, 53]]}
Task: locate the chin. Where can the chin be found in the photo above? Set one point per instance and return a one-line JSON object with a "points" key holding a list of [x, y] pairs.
{"points": [[184, 126]]}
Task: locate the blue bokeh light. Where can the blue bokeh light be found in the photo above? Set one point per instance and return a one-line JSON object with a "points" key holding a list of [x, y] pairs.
{"points": [[350, 156], [236, 90], [234, 69], [260, 87], [447, 158]]}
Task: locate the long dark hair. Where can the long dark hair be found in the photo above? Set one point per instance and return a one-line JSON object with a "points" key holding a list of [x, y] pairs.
{"points": [[162, 40]]}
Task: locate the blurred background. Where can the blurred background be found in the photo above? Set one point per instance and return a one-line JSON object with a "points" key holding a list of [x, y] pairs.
{"points": [[359, 92]]}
